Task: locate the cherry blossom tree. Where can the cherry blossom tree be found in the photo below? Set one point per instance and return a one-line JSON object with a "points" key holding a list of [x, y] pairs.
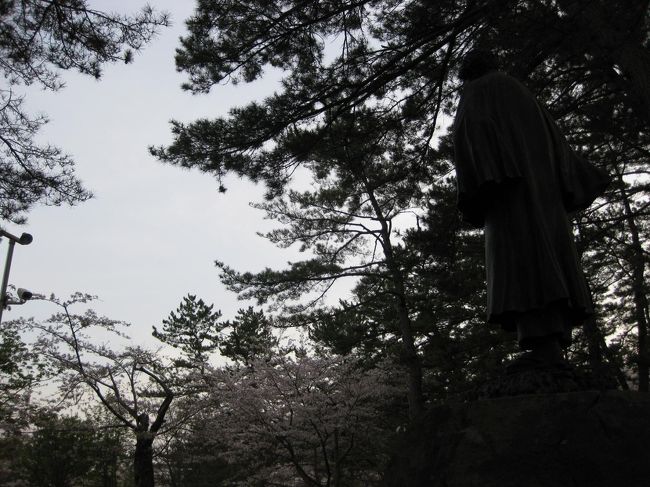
{"points": [[298, 419], [131, 383]]}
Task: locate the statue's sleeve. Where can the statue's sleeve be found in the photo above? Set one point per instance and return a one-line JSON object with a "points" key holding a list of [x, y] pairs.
{"points": [[580, 182], [483, 159]]}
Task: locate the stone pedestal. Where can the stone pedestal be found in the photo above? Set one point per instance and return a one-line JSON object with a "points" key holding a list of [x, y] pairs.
{"points": [[578, 439]]}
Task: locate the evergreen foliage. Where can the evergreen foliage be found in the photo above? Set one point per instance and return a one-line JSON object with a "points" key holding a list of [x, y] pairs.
{"points": [[361, 110], [39, 39], [20, 370], [194, 329], [197, 332], [366, 86], [250, 337], [65, 451]]}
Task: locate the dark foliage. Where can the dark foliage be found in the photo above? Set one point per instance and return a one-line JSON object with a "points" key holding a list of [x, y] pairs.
{"points": [[39, 39]]}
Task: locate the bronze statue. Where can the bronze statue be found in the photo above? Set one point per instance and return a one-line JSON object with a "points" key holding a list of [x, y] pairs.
{"points": [[518, 177]]}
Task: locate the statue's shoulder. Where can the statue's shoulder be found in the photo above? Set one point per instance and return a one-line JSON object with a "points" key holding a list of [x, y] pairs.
{"points": [[500, 92], [495, 79]]}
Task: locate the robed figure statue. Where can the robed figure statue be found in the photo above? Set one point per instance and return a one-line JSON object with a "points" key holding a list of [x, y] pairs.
{"points": [[518, 177]]}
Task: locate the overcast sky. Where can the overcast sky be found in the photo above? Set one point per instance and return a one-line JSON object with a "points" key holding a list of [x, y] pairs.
{"points": [[152, 232]]}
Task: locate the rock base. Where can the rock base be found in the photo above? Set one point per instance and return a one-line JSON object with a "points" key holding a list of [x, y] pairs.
{"points": [[576, 439]]}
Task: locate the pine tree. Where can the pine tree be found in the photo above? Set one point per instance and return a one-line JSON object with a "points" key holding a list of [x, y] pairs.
{"points": [[194, 329], [250, 337], [365, 86], [39, 40], [366, 181]]}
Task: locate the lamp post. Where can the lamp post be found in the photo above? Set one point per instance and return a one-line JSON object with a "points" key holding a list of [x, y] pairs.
{"points": [[23, 294]]}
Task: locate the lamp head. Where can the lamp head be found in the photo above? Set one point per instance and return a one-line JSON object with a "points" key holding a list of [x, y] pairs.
{"points": [[25, 239], [24, 294]]}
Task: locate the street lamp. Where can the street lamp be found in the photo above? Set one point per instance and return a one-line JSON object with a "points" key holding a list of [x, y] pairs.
{"points": [[23, 294]]}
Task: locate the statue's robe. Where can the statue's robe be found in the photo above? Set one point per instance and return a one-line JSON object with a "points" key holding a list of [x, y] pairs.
{"points": [[518, 177]]}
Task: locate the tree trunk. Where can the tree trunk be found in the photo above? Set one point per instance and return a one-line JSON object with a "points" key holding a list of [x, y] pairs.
{"points": [[594, 352], [143, 460], [597, 349], [632, 57], [337, 461], [620, 376], [634, 61], [617, 29], [109, 471], [410, 355], [637, 262]]}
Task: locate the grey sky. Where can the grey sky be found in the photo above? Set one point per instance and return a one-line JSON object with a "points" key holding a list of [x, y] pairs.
{"points": [[152, 232]]}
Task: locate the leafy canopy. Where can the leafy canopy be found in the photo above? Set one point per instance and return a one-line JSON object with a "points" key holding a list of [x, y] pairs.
{"points": [[39, 39]]}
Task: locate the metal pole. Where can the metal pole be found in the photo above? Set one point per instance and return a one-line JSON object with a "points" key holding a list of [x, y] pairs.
{"points": [[5, 277], [24, 239]]}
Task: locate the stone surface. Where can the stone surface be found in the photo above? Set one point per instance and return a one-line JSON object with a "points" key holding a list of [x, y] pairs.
{"points": [[544, 380], [578, 439]]}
